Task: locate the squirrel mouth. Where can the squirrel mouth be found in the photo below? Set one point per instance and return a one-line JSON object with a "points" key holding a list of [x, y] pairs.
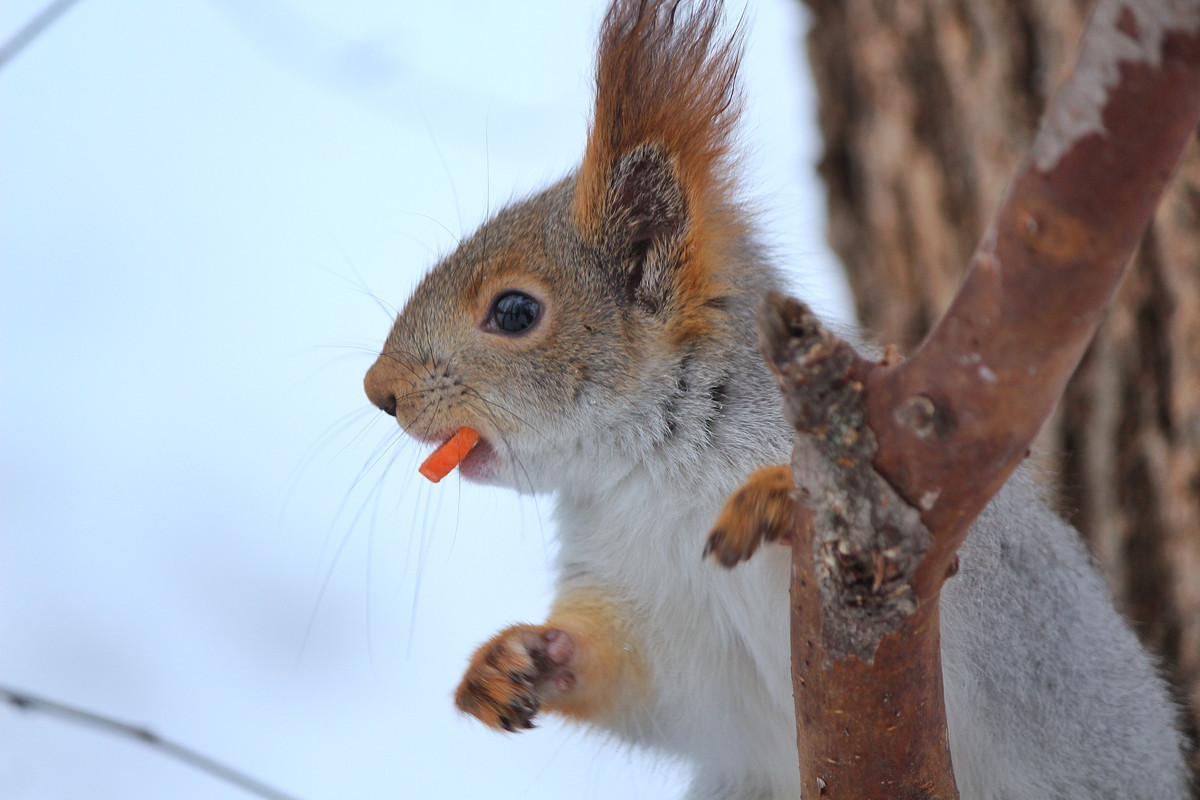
{"points": [[478, 463]]}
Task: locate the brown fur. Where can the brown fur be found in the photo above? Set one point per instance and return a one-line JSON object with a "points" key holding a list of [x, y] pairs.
{"points": [[760, 511], [659, 81], [512, 677], [631, 260], [652, 198], [663, 81]]}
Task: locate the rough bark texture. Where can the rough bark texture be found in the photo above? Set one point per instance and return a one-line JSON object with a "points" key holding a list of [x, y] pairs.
{"points": [[866, 654], [926, 108]]}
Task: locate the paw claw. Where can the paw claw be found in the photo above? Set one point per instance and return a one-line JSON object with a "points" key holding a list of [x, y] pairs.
{"points": [[760, 511], [510, 676], [719, 549], [525, 706]]}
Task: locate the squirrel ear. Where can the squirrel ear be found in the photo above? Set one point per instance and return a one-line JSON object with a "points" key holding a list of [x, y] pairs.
{"points": [[643, 221], [653, 192], [647, 201]]}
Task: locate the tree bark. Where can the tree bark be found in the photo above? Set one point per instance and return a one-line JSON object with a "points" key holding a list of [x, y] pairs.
{"points": [[926, 108]]}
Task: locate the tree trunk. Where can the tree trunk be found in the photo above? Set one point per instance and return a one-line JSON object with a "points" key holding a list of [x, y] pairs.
{"points": [[926, 108]]}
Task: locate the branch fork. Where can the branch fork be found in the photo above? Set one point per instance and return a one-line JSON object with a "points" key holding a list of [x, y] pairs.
{"points": [[893, 461], [867, 541]]}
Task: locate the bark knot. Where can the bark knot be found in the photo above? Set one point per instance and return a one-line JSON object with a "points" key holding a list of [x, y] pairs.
{"points": [[867, 542]]}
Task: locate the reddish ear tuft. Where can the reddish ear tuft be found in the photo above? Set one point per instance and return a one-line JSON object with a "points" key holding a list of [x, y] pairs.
{"points": [[662, 81]]}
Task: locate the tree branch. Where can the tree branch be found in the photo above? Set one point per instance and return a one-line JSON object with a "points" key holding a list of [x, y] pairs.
{"points": [[874, 722], [29, 702], [33, 29], [946, 428], [990, 372]]}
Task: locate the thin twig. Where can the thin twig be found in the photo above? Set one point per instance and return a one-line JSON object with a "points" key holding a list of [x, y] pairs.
{"points": [[29, 702], [34, 28]]}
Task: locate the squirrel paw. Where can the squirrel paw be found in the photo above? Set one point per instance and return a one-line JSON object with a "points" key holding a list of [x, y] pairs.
{"points": [[511, 676], [762, 510]]}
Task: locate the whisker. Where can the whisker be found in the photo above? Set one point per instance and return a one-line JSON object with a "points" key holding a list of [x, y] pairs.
{"points": [[361, 287], [328, 578], [457, 515], [370, 555], [445, 169], [411, 365], [435, 221], [471, 392], [376, 455], [485, 408], [379, 415], [395, 440], [333, 430], [422, 539], [487, 192], [372, 499]]}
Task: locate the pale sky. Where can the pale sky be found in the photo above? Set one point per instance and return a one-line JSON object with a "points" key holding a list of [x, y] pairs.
{"points": [[203, 525]]}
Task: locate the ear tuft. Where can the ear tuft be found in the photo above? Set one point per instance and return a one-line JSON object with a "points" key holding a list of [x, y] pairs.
{"points": [[654, 191], [666, 104]]}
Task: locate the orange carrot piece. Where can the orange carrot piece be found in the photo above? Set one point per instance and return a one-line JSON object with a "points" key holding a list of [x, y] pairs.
{"points": [[441, 462]]}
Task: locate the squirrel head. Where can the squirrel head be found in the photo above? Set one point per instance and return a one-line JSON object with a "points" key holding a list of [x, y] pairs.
{"points": [[568, 329]]}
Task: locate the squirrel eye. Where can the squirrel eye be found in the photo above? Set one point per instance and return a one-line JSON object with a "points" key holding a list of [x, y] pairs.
{"points": [[515, 312]]}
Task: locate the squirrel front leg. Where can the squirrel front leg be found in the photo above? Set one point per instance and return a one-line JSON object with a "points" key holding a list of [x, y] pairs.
{"points": [[761, 510], [582, 662]]}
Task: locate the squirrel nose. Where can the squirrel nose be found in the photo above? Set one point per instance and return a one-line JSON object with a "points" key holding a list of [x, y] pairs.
{"points": [[379, 389]]}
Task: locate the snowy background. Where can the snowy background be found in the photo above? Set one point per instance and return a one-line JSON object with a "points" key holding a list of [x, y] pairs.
{"points": [[203, 526]]}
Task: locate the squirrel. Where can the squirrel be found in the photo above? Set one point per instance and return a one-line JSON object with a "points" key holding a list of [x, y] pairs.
{"points": [[600, 337]]}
